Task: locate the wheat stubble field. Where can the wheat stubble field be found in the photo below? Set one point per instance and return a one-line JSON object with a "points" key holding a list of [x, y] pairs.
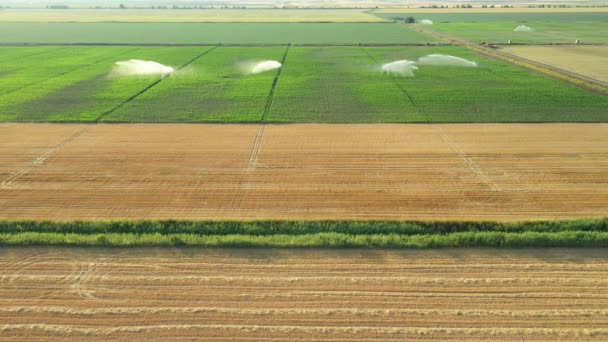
{"points": [[304, 171], [315, 295]]}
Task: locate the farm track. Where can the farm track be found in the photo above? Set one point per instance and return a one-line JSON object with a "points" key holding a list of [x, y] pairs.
{"points": [[500, 172], [319, 295], [546, 69]]}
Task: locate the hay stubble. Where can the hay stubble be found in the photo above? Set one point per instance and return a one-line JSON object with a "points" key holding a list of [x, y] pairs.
{"points": [[309, 171], [308, 294]]}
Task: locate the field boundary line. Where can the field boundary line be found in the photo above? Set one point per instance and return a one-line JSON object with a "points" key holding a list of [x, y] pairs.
{"points": [[65, 73], [148, 87], [467, 161], [7, 183], [257, 142], [576, 79]]}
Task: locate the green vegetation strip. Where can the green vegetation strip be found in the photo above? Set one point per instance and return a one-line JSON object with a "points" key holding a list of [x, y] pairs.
{"points": [[302, 234]]}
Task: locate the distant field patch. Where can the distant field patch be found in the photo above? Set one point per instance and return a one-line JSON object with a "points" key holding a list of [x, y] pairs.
{"points": [[543, 32], [497, 16], [497, 10], [194, 15], [209, 33], [590, 61]]}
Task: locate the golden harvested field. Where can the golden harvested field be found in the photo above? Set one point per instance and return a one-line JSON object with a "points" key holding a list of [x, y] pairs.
{"points": [[195, 15], [304, 171], [590, 61], [314, 295]]}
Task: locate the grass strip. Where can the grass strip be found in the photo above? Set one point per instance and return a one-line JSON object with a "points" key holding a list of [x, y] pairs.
{"points": [[304, 234], [298, 227], [318, 240]]}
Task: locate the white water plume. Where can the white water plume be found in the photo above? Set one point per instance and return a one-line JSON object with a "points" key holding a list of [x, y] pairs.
{"points": [[445, 60], [523, 28], [402, 68], [137, 67], [425, 21], [258, 67]]}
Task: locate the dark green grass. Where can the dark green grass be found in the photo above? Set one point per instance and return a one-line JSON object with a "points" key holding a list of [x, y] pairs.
{"points": [[208, 33], [345, 85], [544, 32], [212, 89], [382, 234], [495, 17]]}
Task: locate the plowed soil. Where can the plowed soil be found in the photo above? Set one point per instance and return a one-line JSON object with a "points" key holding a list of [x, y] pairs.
{"points": [[314, 295], [304, 171]]}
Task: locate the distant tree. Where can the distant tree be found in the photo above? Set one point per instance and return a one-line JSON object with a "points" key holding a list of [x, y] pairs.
{"points": [[122, 6], [410, 20]]}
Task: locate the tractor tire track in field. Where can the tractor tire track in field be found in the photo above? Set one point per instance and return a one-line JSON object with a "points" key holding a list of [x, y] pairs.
{"points": [[150, 86], [9, 270], [83, 277], [65, 73], [8, 182], [466, 160], [257, 142]]}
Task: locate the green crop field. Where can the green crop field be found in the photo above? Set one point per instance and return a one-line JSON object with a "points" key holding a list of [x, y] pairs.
{"points": [[211, 89], [191, 15], [543, 32], [559, 17], [208, 33], [316, 84], [344, 85], [72, 83]]}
